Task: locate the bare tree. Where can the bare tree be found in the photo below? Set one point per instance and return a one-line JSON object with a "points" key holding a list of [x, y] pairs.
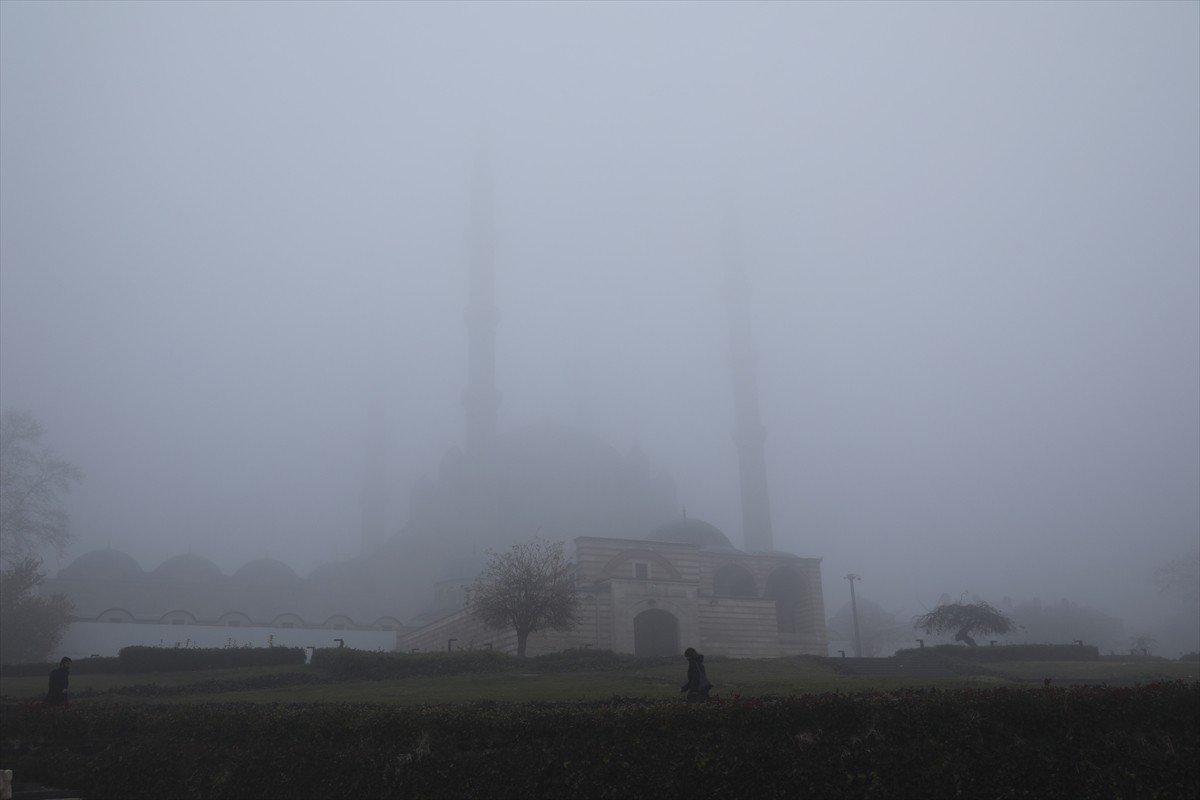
{"points": [[964, 619], [33, 625], [33, 481], [529, 588]]}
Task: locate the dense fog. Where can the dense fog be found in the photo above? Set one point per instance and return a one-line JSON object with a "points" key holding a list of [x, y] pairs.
{"points": [[228, 232]]}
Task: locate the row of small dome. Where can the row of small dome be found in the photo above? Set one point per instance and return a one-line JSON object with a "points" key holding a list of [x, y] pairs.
{"points": [[115, 565], [108, 564]]}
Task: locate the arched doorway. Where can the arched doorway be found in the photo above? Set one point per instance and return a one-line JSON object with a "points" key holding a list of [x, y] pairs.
{"points": [[655, 633]]}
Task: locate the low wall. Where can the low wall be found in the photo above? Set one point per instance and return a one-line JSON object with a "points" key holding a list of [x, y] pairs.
{"points": [[83, 639]]}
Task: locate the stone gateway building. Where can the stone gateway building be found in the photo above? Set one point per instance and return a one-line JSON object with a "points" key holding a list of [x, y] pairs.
{"points": [[647, 584], [683, 585]]}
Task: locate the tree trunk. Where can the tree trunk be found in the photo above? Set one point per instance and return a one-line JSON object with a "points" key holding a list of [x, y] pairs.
{"points": [[964, 635], [522, 638]]}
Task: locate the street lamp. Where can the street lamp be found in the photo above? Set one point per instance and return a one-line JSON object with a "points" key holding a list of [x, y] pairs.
{"points": [[595, 620], [854, 610]]}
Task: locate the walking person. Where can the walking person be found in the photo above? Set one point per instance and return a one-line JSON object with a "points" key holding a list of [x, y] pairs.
{"points": [[697, 686], [59, 680]]}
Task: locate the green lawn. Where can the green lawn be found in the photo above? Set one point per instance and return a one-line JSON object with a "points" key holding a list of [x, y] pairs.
{"points": [[1099, 671], [749, 678]]}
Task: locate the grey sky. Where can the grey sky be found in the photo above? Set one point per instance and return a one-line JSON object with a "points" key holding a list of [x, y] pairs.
{"points": [[973, 232]]}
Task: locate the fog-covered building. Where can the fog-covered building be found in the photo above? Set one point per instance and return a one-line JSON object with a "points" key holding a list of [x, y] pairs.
{"points": [[111, 586], [648, 587], [651, 581], [684, 584]]}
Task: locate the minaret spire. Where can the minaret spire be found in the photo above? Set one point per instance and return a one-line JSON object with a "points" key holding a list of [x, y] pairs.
{"points": [[749, 434], [374, 496], [481, 399]]}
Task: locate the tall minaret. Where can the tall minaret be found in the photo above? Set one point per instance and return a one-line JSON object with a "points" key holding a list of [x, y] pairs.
{"points": [[374, 494], [749, 435], [481, 399]]}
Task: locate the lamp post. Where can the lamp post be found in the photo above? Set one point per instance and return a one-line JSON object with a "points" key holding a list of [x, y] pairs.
{"points": [[854, 610], [595, 621]]}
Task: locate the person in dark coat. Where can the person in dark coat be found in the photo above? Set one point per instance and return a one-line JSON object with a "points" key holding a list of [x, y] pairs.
{"points": [[697, 686], [58, 683]]}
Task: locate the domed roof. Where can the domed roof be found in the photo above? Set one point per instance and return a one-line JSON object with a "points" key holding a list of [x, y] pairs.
{"points": [[103, 565], [266, 572], [548, 477], [691, 531], [189, 568], [573, 483]]}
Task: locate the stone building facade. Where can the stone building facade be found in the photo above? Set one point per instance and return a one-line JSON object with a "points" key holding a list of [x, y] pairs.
{"points": [[684, 585], [644, 589]]}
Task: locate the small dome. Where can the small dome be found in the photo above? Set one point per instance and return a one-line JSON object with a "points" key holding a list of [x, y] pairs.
{"points": [[103, 565], [691, 531], [266, 572], [189, 569]]}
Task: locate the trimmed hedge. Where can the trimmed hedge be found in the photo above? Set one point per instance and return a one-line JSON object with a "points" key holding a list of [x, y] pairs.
{"points": [[184, 659], [80, 666], [1080, 743], [1004, 652]]}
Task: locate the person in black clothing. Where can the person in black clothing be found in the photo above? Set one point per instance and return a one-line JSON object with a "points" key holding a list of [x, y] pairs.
{"points": [[58, 683], [697, 686]]}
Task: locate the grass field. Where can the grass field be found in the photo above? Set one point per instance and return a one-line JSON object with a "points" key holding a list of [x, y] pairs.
{"points": [[597, 726], [748, 678]]}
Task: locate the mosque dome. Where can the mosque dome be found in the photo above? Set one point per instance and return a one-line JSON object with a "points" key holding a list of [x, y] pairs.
{"points": [[103, 565], [266, 572], [570, 483], [189, 568], [691, 531]]}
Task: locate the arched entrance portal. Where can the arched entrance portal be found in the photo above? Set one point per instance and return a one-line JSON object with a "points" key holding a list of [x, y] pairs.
{"points": [[655, 633]]}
